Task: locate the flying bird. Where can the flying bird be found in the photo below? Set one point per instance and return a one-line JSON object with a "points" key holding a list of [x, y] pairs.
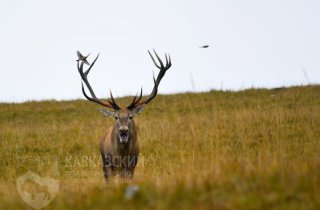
{"points": [[83, 58], [204, 46]]}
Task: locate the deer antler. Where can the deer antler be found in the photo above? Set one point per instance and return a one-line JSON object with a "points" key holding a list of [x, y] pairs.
{"points": [[84, 75], [136, 101]]}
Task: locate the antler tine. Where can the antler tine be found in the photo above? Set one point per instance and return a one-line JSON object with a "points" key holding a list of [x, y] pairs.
{"points": [[166, 58], [160, 61], [155, 63], [87, 72], [84, 76], [113, 103], [157, 81], [140, 96], [168, 61], [93, 98], [135, 101]]}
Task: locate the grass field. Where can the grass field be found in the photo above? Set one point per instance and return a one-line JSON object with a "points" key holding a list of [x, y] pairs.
{"points": [[253, 149]]}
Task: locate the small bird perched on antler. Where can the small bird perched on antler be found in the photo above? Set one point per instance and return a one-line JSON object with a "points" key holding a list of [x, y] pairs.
{"points": [[204, 46], [83, 58]]}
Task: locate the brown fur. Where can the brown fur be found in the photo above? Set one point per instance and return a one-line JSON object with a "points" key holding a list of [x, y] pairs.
{"points": [[119, 158]]}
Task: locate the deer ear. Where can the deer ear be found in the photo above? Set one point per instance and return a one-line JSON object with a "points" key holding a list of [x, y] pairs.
{"points": [[137, 110], [107, 113]]}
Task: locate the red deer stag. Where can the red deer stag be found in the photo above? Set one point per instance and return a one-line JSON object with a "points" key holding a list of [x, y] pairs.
{"points": [[120, 147]]}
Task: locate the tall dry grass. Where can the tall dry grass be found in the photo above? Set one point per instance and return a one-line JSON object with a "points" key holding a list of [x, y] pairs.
{"points": [[253, 149]]}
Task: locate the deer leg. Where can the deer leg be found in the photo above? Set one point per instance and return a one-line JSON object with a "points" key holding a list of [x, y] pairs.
{"points": [[126, 173], [127, 169], [108, 168], [108, 173]]}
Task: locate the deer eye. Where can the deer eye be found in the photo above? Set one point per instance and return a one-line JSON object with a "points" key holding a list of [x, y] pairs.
{"points": [[116, 117], [130, 117]]}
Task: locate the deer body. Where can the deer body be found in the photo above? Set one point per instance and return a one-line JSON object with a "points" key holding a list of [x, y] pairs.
{"points": [[117, 157], [119, 147]]}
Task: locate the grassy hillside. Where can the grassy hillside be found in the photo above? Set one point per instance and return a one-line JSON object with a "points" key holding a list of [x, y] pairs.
{"points": [[253, 149]]}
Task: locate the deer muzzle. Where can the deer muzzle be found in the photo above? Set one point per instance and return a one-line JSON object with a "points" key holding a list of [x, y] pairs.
{"points": [[123, 134]]}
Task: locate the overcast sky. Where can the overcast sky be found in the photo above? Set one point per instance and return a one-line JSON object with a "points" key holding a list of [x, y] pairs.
{"points": [[253, 43]]}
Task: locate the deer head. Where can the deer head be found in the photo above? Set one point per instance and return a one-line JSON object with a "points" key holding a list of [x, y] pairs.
{"points": [[124, 125]]}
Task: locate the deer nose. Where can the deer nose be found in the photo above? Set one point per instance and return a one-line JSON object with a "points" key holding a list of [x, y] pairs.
{"points": [[123, 129]]}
